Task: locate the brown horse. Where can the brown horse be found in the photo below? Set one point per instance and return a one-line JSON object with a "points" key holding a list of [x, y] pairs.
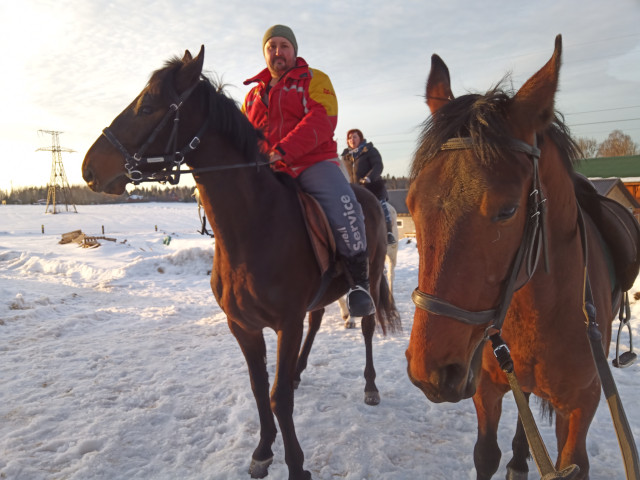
{"points": [[486, 169], [265, 273]]}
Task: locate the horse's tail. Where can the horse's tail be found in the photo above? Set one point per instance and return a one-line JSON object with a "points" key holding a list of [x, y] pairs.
{"points": [[386, 312]]}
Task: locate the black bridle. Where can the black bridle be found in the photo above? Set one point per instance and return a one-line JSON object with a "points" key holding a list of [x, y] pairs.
{"points": [[533, 241], [167, 165]]}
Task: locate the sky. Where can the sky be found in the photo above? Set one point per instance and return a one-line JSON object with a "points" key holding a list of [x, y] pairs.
{"points": [[72, 65], [117, 363]]}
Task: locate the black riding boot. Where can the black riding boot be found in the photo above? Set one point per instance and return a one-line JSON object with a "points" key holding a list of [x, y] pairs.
{"points": [[391, 239], [359, 301]]}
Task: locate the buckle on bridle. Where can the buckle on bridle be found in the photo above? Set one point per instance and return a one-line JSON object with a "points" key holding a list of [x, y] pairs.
{"points": [[193, 144]]}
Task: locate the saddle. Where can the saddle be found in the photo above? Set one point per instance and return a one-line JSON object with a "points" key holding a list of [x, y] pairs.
{"points": [[618, 228], [620, 233]]}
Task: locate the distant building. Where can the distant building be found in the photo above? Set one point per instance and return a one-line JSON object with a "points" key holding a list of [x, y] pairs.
{"points": [[615, 189], [627, 169]]}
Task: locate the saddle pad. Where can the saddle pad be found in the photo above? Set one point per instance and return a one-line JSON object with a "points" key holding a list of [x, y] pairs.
{"points": [[320, 233]]}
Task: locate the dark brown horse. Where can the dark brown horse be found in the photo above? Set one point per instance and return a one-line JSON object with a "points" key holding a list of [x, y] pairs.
{"points": [[486, 169], [265, 273]]}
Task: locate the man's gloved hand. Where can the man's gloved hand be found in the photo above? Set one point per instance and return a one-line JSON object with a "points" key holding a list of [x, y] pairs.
{"points": [[365, 180], [276, 162]]}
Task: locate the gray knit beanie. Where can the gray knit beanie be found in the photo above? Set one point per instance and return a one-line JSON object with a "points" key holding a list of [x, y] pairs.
{"points": [[281, 31]]}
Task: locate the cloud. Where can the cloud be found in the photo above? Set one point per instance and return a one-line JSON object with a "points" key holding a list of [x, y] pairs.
{"points": [[74, 65]]}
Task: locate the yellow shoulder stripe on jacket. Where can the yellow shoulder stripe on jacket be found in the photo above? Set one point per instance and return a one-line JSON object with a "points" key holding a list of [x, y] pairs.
{"points": [[321, 90]]}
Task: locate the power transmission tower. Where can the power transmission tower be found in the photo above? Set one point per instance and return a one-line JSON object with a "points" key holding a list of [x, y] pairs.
{"points": [[58, 181]]}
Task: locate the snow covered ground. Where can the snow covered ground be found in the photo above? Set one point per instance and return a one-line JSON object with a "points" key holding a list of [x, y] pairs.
{"points": [[117, 363]]}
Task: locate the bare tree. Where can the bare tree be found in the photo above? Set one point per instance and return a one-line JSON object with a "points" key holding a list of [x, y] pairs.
{"points": [[588, 146], [617, 145]]}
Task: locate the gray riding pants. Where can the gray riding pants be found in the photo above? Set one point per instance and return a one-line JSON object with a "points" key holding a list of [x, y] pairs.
{"points": [[328, 185]]}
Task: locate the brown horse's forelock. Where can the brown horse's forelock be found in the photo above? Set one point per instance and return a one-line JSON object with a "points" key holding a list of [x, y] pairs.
{"points": [[484, 119], [225, 117]]}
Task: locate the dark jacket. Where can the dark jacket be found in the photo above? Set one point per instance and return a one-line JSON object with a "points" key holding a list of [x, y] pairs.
{"points": [[366, 162]]}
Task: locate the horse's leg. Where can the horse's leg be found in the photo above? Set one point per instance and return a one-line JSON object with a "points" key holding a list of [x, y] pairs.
{"points": [[282, 400], [255, 352], [349, 321], [488, 403], [518, 468], [571, 432], [371, 395], [390, 264], [315, 319]]}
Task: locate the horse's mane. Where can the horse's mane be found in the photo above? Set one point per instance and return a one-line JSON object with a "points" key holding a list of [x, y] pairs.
{"points": [[224, 115], [484, 119]]}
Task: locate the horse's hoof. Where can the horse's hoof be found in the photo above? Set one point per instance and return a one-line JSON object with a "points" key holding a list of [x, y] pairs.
{"points": [[516, 474], [260, 468], [371, 398], [350, 323]]}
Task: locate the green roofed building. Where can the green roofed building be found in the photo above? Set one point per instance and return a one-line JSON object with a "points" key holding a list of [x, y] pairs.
{"points": [[621, 167], [625, 170]]}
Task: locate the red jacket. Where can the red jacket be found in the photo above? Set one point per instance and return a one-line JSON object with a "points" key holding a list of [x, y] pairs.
{"points": [[301, 117]]}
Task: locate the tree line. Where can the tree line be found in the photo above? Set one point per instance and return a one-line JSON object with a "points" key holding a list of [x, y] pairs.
{"points": [[83, 195], [617, 144]]}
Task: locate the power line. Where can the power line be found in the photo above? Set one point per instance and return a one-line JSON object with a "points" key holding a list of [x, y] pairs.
{"points": [[603, 110], [603, 121]]}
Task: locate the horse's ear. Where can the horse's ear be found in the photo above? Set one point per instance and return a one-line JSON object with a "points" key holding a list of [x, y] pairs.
{"points": [[532, 108], [191, 70], [438, 84]]}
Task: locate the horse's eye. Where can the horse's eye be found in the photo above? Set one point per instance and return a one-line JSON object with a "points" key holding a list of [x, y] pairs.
{"points": [[145, 110], [506, 213]]}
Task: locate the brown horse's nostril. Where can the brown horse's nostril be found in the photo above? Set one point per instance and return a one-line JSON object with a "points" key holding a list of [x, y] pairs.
{"points": [[87, 174]]}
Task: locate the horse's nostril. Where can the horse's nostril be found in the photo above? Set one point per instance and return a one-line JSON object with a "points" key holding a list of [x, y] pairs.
{"points": [[451, 376], [87, 175]]}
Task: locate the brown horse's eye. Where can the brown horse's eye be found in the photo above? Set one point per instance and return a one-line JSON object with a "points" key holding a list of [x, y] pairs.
{"points": [[506, 213]]}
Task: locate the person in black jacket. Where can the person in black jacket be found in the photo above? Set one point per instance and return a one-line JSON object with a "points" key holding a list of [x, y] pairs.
{"points": [[364, 166]]}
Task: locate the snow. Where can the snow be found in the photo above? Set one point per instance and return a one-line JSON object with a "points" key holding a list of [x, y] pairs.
{"points": [[117, 363]]}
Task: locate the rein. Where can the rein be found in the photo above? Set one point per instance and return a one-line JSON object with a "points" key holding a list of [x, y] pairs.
{"points": [[169, 163], [533, 241]]}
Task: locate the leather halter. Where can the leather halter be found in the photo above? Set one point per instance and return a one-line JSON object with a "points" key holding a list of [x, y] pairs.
{"points": [[533, 241], [168, 161], [168, 164]]}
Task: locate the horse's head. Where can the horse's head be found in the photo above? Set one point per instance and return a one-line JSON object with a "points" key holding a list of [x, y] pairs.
{"points": [[145, 137], [472, 178]]}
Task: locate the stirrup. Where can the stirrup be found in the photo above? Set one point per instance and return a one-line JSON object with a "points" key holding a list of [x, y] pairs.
{"points": [[625, 359], [364, 309]]}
